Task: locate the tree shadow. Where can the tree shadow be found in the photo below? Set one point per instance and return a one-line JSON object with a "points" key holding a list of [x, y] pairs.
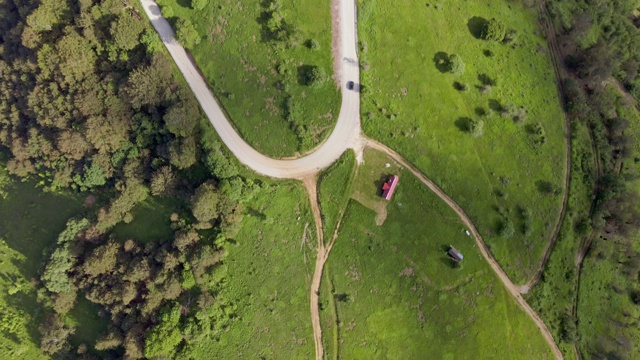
{"points": [[530, 129], [304, 74], [184, 3], [486, 80], [441, 61], [495, 105], [480, 111], [463, 124], [476, 26]]}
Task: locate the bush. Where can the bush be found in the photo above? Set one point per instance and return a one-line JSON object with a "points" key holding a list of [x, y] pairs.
{"points": [[506, 229], [475, 127], [187, 34], [495, 30], [456, 66], [199, 4]]}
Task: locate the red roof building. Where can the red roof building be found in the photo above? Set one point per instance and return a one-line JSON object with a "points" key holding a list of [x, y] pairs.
{"points": [[389, 187]]}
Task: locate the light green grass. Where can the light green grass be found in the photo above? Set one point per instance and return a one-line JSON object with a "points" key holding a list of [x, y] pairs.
{"points": [[29, 224], [402, 38], [334, 190], [242, 70], [405, 300], [269, 275], [151, 221]]}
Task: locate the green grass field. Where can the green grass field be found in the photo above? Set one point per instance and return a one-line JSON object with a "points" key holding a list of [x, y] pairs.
{"points": [[413, 107], [334, 190], [29, 224], [397, 294], [151, 221], [269, 274], [258, 82]]}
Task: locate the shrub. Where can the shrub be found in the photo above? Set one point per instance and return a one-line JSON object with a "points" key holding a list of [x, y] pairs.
{"points": [[495, 30], [456, 66], [506, 229], [187, 34], [475, 127], [198, 4]]}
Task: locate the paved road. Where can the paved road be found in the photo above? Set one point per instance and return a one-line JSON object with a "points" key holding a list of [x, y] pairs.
{"points": [[345, 135]]}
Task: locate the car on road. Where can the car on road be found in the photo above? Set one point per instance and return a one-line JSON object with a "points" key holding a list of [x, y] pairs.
{"points": [[351, 85]]}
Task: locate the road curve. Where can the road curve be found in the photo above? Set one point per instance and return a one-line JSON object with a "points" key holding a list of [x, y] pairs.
{"points": [[345, 135]]}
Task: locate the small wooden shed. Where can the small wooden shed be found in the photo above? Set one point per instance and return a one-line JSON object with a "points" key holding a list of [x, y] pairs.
{"points": [[454, 254], [389, 187]]}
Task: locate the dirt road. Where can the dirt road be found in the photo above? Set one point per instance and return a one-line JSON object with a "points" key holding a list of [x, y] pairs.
{"points": [[513, 289], [344, 136]]}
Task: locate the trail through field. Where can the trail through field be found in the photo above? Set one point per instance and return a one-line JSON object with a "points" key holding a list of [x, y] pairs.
{"points": [[561, 74], [513, 289], [345, 135]]}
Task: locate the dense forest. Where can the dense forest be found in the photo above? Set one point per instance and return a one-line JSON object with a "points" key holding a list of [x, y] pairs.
{"points": [[600, 44], [90, 104]]}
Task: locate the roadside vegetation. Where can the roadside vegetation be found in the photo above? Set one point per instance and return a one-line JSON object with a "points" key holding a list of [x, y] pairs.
{"points": [[468, 94], [269, 64], [397, 293], [588, 295]]}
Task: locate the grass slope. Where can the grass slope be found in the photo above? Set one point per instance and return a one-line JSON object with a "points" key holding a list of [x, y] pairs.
{"points": [[410, 105], [269, 274], [334, 189], [258, 83], [29, 223], [399, 297]]}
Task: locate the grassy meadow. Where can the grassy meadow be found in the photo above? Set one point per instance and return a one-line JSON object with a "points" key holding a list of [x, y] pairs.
{"points": [[30, 221], [394, 294], [513, 173], [269, 273], [260, 82], [334, 190]]}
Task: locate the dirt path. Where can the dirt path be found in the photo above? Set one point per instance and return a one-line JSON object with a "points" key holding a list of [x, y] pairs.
{"points": [[561, 74], [321, 257], [513, 289]]}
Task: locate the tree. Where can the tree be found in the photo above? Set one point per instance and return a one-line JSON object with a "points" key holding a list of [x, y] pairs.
{"points": [[187, 34], [182, 118], [102, 259], [162, 339], [199, 4], [204, 203], [54, 334], [110, 340], [163, 181], [149, 85], [456, 66], [495, 30], [312, 75], [475, 127], [126, 31], [182, 152]]}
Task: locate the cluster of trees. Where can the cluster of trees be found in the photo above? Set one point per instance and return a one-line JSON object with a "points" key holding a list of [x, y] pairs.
{"points": [[600, 39], [601, 45], [84, 101], [159, 296], [89, 104]]}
